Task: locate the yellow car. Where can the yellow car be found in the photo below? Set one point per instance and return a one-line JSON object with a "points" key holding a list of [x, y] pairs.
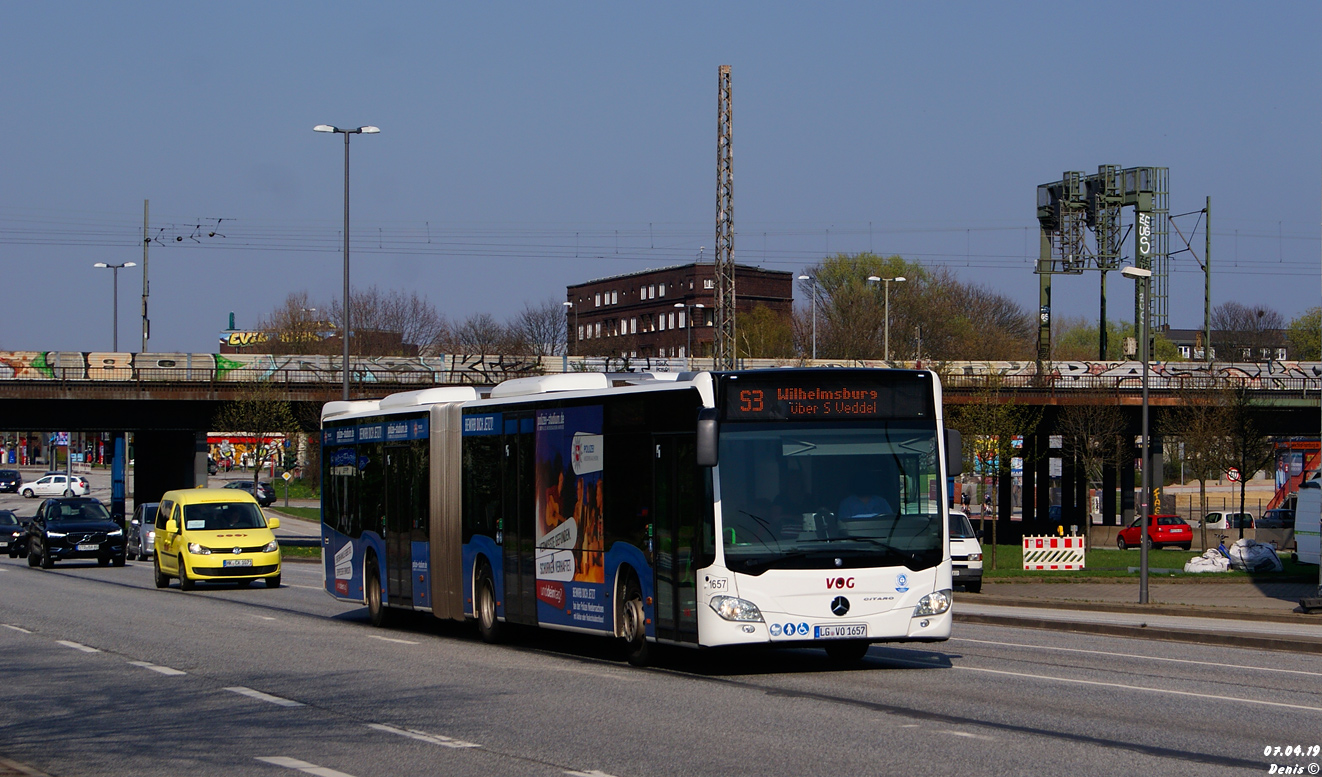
{"points": [[214, 534]]}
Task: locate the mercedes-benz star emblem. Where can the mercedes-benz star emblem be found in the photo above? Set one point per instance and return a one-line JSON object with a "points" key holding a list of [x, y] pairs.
{"points": [[840, 605]]}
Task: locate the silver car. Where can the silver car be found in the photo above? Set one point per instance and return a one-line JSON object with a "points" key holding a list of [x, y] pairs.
{"points": [[141, 532]]}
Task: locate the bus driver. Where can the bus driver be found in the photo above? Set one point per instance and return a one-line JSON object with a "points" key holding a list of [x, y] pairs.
{"points": [[862, 501]]}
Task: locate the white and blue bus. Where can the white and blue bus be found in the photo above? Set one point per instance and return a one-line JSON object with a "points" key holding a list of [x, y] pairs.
{"points": [[785, 507]]}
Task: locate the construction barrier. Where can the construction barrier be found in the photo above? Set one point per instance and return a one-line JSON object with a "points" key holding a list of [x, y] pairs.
{"points": [[1053, 552]]}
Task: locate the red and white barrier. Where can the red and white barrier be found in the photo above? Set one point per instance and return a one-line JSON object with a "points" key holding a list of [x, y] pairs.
{"points": [[1048, 552]]}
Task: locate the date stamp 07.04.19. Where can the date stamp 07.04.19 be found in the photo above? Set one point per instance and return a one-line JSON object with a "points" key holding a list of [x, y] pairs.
{"points": [[1293, 752]]}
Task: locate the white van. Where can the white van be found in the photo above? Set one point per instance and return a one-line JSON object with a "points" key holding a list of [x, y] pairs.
{"points": [[965, 554], [1222, 520]]}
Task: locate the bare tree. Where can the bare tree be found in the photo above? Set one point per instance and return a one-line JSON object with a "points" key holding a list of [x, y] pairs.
{"points": [[988, 426], [1092, 434], [390, 323], [1201, 421], [1249, 448], [1247, 333], [263, 413], [298, 326], [540, 329]]}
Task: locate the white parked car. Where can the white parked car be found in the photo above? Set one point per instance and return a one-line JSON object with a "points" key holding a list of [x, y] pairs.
{"points": [[57, 484], [965, 553]]}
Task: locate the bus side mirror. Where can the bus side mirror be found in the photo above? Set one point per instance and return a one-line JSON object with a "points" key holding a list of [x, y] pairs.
{"points": [[708, 437], [954, 453]]}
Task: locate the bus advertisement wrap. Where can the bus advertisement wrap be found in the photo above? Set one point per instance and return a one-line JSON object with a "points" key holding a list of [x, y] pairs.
{"points": [[570, 573]]}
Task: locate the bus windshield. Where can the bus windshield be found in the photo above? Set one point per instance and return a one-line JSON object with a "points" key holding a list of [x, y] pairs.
{"points": [[828, 495]]}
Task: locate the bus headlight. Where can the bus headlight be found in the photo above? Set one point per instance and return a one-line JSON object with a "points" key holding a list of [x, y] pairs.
{"points": [[934, 603], [732, 608]]}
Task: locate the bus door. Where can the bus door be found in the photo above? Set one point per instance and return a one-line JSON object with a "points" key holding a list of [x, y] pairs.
{"points": [[400, 508], [676, 523], [517, 475]]}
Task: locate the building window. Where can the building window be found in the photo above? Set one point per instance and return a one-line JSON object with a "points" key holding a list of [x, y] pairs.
{"points": [[1184, 351], [580, 333], [681, 352], [671, 318], [661, 290], [633, 325], [598, 300], [1280, 354], [651, 292], [661, 322], [681, 319], [709, 284], [615, 298]]}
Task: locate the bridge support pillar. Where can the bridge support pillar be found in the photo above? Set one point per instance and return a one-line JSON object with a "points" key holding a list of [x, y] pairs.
{"points": [[118, 466], [1083, 505], [1069, 474], [1127, 472], [1028, 496], [1108, 494], [1043, 467], [164, 461], [1156, 464]]}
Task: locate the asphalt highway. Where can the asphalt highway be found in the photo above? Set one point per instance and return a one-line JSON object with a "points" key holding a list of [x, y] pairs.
{"points": [[103, 674]]}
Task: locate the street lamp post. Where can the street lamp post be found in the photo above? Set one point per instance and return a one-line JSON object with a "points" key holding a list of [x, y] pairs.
{"points": [[114, 307], [688, 325], [887, 282], [1143, 277], [813, 282], [345, 332], [574, 308]]}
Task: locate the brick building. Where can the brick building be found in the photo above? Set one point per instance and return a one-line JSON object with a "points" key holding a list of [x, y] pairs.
{"points": [[648, 313]]}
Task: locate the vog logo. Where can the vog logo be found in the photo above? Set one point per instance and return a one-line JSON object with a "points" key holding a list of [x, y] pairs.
{"points": [[839, 582]]}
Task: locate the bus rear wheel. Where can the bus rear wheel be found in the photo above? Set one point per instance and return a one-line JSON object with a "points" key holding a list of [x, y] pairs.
{"points": [[487, 625], [633, 624]]}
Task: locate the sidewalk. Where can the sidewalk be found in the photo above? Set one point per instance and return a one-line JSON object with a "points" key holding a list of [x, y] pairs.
{"points": [[1219, 612]]}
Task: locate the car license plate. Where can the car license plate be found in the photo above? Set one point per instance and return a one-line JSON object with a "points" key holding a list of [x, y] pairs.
{"points": [[840, 631], [238, 562], [88, 546], [4, 543], [954, 572]]}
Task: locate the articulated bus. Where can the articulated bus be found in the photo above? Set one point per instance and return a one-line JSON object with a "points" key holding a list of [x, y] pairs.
{"points": [[786, 507]]}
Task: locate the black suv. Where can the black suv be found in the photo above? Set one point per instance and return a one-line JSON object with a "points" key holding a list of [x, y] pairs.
{"points": [[265, 495], [9, 480], [13, 533], [67, 528]]}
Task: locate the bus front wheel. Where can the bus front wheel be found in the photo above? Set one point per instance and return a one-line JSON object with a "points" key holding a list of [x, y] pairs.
{"points": [[633, 624], [376, 609], [487, 625]]}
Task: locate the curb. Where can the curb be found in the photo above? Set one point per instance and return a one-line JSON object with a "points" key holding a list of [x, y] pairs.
{"points": [[1194, 611], [1143, 632]]}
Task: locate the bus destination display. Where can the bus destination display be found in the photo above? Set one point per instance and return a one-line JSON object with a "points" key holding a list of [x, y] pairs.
{"points": [[759, 400]]}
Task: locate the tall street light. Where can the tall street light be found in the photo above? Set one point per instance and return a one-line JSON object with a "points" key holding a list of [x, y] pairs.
{"points": [[813, 282], [574, 308], [345, 332], [887, 282], [114, 272], [688, 324], [1143, 277]]}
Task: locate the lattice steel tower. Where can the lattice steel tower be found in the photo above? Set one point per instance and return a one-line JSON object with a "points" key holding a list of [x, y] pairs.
{"points": [[724, 345]]}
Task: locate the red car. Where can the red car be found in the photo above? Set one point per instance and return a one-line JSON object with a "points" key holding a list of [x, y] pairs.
{"points": [[1163, 530]]}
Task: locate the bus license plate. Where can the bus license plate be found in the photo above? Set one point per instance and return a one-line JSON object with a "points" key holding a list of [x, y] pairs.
{"points": [[238, 562], [840, 631], [92, 546]]}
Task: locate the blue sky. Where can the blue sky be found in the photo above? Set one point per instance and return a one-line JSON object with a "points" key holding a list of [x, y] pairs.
{"points": [[525, 147]]}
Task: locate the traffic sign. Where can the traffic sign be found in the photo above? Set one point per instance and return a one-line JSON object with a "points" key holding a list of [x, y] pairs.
{"points": [[287, 477], [1233, 475]]}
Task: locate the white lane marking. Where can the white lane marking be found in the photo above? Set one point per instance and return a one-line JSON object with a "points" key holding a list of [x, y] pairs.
{"points": [[21, 768], [302, 766], [76, 646], [390, 639], [165, 670], [964, 734], [309, 587], [593, 773], [1145, 689], [435, 739], [239, 689], [1109, 654], [264, 617], [17, 628]]}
